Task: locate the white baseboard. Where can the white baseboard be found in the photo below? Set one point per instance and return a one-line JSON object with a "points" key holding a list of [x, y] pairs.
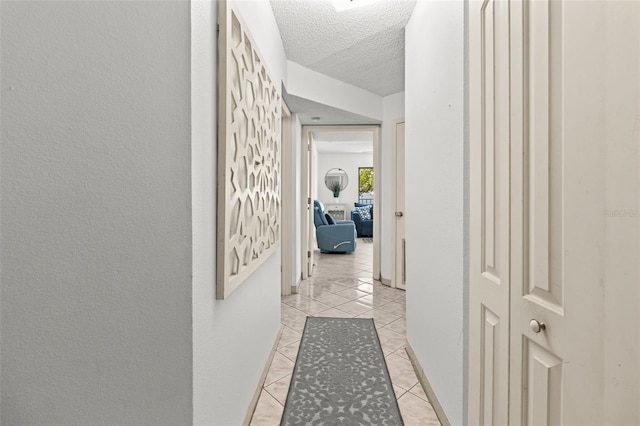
{"points": [[263, 377], [385, 281], [431, 395], [294, 288]]}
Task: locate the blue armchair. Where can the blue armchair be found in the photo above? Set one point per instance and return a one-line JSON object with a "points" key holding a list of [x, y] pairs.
{"points": [[339, 237], [364, 227]]}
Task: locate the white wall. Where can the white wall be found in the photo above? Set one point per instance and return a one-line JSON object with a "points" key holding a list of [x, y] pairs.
{"points": [[317, 87], [393, 109], [258, 15], [349, 163], [435, 207], [232, 338], [96, 220]]}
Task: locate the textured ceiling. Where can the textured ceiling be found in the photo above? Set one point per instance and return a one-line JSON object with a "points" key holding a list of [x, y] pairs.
{"points": [[362, 46]]}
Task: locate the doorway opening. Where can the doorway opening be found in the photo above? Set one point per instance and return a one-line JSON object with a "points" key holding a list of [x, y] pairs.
{"points": [[343, 147]]}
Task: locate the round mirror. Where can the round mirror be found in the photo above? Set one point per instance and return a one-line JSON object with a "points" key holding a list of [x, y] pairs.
{"points": [[336, 180]]}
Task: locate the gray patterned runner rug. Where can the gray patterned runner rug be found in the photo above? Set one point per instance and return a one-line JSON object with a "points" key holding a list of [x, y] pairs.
{"points": [[340, 377]]}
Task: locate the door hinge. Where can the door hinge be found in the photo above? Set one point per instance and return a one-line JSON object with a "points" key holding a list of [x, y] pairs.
{"points": [[404, 261], [309, 254], [308, 147], [309, 200]]}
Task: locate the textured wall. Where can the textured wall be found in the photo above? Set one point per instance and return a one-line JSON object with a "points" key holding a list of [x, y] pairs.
{"points": [[96, 238], [435, 220]]}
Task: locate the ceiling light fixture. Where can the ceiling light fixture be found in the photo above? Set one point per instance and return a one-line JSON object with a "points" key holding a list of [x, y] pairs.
{"points": [[315, 119], [342, 5]]}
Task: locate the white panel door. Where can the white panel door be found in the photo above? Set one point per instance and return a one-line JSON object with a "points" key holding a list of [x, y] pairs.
{"points": [[537, 138], [557, 132], [489, 269], [399, 280]]}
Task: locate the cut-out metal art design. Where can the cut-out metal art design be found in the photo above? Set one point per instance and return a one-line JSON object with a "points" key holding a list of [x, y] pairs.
{"points": [[248, 229]]}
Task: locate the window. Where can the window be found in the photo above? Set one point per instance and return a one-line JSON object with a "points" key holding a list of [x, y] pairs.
{"points": [[365, 185]]}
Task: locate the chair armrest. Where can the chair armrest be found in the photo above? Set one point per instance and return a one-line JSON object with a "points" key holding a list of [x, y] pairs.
{"points": [[339, 237], [339, 231], [355, 217]]}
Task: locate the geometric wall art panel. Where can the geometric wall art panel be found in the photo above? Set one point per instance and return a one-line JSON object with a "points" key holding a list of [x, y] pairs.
{"points": [[248, 228]]}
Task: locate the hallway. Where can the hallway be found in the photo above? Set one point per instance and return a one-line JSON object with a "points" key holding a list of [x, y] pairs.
{"points": [[341, 287]]}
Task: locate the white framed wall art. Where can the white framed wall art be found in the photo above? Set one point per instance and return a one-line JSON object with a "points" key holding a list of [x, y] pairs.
{"points": [[249, 157]]}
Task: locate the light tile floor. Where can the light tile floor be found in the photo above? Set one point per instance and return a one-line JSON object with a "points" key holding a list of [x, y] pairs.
{"points": [[341, 286]]}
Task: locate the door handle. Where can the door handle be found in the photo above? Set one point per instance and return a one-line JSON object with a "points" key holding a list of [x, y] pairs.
{"points": [[537, 326], [399, 214]]}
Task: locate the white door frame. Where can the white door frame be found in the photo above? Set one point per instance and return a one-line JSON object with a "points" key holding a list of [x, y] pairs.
{"points": [[306, 209], [395, 185], [287, 218], [307, 219]]}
